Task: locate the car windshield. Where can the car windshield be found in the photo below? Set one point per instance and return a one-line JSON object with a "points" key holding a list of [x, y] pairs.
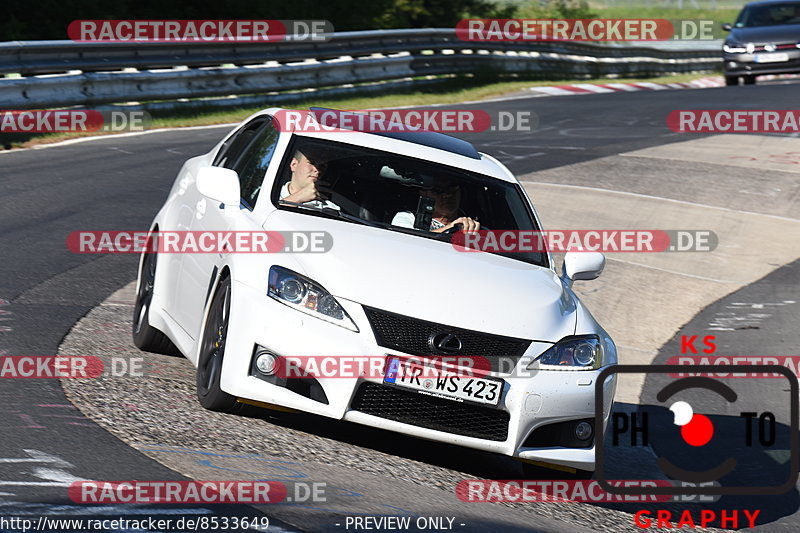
{"points": [[769, 15], [398, 193]]}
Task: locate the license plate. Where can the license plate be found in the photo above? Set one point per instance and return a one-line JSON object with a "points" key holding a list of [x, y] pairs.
{"points": [[443, 383], [771, 58]]}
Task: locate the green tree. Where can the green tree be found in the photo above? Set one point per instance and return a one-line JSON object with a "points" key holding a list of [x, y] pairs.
{"points": [[441, 13], [564, 9], [48, 19]]}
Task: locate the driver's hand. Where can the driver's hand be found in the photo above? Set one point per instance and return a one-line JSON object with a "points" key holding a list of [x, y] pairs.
{"points": [[324, 190], [306, 194], [467, 224]]}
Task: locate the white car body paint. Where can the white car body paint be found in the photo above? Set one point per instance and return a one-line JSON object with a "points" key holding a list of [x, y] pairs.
{"points": [[385, 270]]}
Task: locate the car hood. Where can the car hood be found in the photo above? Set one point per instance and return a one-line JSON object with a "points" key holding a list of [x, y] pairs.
{"points": [[789, 33], [430, 280]]}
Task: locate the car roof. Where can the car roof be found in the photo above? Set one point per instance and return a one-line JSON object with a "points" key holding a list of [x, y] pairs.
{"points": [[426, 138], [430, 146], [765, 2]]}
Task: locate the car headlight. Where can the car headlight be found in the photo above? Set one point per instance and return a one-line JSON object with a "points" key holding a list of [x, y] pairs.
{"points": [[572, 353], [301, 293], [734, 48]]}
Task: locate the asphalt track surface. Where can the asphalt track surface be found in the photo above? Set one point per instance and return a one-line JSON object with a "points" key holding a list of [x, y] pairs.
{"points": [[119, 183], [743, 323]]}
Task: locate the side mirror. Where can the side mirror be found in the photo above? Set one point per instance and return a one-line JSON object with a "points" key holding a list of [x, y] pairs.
{"points": [[726, 26], [219, 184], [582, 266]]}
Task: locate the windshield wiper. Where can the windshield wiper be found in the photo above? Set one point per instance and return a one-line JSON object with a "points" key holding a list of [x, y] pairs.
{"points": [[331, 213]]}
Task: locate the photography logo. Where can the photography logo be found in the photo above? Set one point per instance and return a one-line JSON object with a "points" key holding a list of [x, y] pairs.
{"points": [[715, 438]]}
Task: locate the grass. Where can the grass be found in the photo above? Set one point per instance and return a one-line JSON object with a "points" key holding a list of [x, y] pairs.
{"points": [[449, 92]]}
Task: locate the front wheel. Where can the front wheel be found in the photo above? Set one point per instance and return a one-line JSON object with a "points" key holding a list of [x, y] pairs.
{"points": [[749, 80], [212, 352], [145, 336], [731, 80]]}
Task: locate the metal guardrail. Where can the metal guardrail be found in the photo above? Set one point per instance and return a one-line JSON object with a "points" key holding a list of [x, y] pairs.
{"points": [[66, 73]]}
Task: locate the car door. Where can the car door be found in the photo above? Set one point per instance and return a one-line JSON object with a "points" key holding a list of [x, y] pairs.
{"points": [[250, 155], [192, 204]]}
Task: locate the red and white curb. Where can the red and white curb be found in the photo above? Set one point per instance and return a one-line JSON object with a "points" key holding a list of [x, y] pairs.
{"points": [[592, 88]]}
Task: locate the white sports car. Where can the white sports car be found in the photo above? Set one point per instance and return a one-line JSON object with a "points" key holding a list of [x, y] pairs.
{"points": [[391, 286]]}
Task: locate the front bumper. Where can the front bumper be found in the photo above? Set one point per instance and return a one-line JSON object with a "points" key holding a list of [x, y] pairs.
{"points": [[528, 401], [746, 65]]}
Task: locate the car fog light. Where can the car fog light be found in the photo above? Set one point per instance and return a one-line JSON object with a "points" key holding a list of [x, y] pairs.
{"points": [[583, 431], [266, 362]]}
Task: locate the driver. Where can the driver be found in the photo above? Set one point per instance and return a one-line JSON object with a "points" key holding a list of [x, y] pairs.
{"points": [[446, 195], [302, 188]]}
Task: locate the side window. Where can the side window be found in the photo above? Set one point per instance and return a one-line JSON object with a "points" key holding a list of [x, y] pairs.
{"points": [[253, 163], [237, 142]]}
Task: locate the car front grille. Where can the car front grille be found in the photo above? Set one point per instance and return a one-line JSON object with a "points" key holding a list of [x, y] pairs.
{"points": [[778, 46], [412, 336], [432, 413]]}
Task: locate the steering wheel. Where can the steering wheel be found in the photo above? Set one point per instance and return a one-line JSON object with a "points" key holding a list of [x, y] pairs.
{"points": [[455, 228], [459, 227]]}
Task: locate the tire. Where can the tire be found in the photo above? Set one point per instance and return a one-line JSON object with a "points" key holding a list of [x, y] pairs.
{"points": [[531, 471], [212, 352], [731, 80], [749, 80], [145, 336]]}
